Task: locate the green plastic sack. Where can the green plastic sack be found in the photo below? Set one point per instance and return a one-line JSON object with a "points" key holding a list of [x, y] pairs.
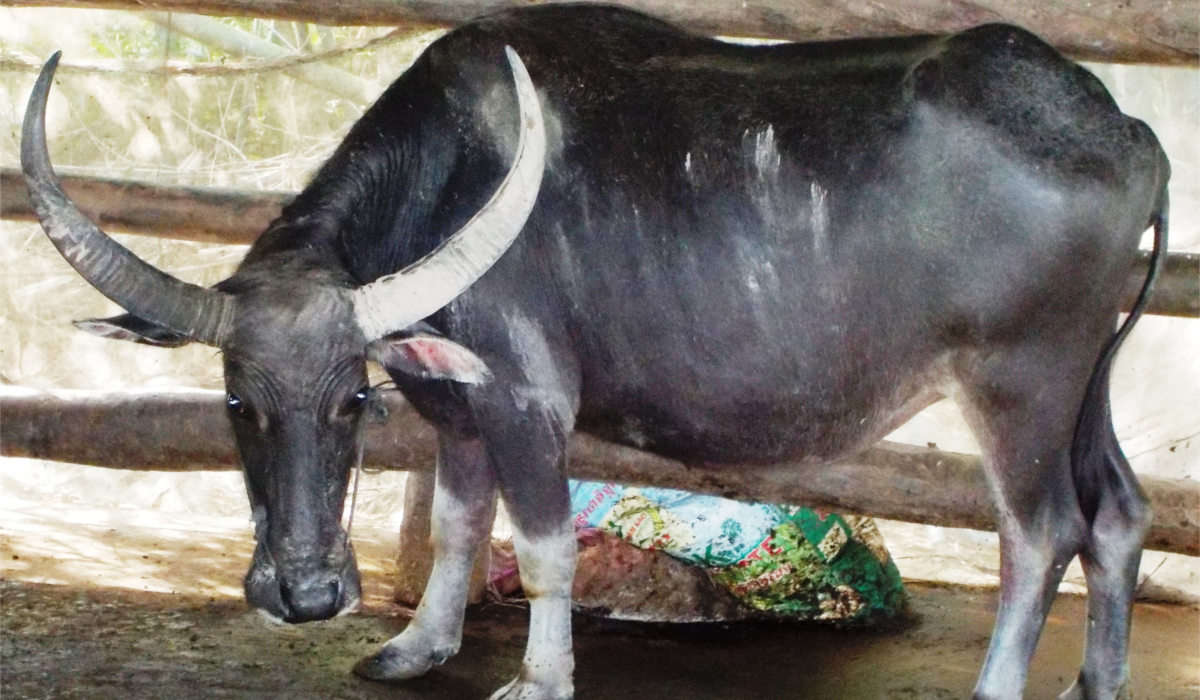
{"points": [[818, 566], [782, 560]]}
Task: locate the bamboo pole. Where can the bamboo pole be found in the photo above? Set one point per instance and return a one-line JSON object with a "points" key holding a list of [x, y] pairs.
{"points": [[1093, 30], [188, 431], [234, 41]]}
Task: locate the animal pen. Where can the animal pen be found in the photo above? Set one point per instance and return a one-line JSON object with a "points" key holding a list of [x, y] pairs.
{"points": [[221, 122]]}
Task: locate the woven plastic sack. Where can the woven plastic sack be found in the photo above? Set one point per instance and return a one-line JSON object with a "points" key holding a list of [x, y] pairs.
{"points": [[783, 560]]}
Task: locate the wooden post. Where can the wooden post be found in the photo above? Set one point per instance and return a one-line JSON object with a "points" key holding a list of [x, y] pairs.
{"points": [[416, 546]]}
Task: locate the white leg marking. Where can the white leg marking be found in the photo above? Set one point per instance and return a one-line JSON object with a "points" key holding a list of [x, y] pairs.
{"points": [[547, 571], [435, 632]]}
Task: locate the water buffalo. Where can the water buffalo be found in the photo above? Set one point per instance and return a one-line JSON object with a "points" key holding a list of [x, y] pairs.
{"points": [[727, 254]]}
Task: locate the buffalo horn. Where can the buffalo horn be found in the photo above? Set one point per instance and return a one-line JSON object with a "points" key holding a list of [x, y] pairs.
{"points": [[397, 301], [141, 289]]}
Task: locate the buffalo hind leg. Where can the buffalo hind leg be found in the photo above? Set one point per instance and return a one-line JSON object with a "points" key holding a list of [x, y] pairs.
{"points": [[1110, 558], [1022, 408], [463, 510]]}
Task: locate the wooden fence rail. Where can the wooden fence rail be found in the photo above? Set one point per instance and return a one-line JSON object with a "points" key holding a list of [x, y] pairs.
{"points": [[188, 430], [204, 214], [1095, 30], [231, 216]]}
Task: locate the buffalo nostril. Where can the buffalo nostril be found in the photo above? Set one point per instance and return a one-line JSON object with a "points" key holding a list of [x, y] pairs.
{"points": [[285, 592], [317, 598]]}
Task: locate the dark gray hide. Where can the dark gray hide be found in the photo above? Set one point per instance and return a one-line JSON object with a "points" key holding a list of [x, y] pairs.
{"points": [[738, 255]]}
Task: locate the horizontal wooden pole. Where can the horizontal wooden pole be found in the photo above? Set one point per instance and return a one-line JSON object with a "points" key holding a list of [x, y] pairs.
{"points": [[204, 214], [1093, 30], [1177, 290], [171, 431], [233, 216], [188, 430]]}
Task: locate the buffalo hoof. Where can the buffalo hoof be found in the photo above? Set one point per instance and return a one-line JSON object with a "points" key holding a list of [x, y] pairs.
{"points": [[522, 689], [396, 662], [1077, 691]]}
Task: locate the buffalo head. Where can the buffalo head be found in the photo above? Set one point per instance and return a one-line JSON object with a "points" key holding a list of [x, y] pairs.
{"points": [[295, 339]]}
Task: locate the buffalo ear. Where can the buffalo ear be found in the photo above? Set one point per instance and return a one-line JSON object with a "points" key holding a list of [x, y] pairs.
{"points": [[429, 356], [130, 327]]}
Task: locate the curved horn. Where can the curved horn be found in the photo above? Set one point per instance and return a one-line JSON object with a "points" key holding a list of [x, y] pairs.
{"points": [[397, 301], [140, 288]]}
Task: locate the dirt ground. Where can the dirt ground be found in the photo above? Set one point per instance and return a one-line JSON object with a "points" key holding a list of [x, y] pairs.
{"points": [[69, 642], [96, 605]]}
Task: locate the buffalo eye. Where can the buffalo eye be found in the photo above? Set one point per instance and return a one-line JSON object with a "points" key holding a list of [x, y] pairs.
{"points": [[356, 402], [236, 406]]}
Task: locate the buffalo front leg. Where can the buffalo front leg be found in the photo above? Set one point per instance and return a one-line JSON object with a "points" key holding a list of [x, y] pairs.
{"points": [[527, 444], [547, 561], [463, 511]]}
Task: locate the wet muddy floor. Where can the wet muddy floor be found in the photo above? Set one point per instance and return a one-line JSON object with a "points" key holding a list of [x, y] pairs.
{"points": [[62, 641], [115, 604]]}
